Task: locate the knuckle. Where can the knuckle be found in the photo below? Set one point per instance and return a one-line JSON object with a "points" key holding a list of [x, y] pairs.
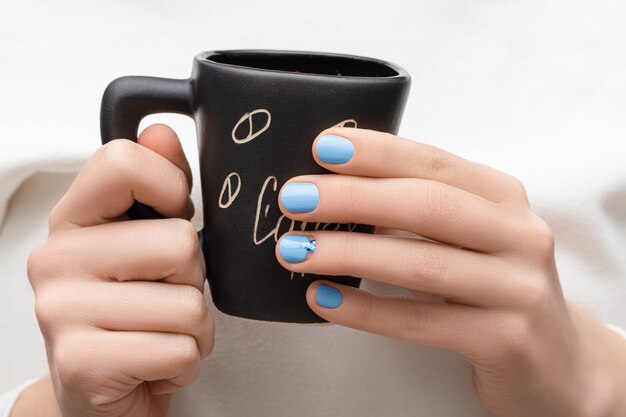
{"points": [[541, 238], [390, 154], [49, 258], [515, 186], [119, 156], [47, 306], [350, 252], [71, 362], [439, 205], [55, 217], [535, 294], [365, 314], [187, 242], [427, 263], [353, 195], [511, 344], [416, 318], [196, 310], [36, 262], [434, 160], [185, 354], [59, 254]]}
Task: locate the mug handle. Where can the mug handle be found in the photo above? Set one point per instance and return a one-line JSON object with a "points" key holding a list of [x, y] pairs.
{"points": [[129, 99]]}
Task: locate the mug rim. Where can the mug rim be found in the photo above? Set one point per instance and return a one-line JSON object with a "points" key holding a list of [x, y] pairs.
{"points": [[401, 73]]}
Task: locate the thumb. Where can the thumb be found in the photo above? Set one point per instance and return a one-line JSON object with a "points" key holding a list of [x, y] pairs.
{"points": [[163, 140]]}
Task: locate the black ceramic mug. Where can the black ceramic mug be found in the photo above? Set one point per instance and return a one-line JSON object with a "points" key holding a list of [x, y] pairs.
{"points": [[257, 113]]}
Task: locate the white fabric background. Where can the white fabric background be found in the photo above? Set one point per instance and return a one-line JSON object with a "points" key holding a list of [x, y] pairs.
{"points": [[534, 88]]}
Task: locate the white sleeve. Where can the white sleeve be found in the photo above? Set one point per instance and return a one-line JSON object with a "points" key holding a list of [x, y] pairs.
{"points": [[617, 330], [7, 400]]}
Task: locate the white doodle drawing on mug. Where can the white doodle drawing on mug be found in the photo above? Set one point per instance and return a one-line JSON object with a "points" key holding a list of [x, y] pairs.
{"points": [[227, 195], [229, 187], [258, 212], [346, 122], [247, 117], [276, 230]]}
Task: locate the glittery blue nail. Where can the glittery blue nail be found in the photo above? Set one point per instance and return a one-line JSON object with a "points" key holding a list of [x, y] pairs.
{"points": [[310, 245], [294, 248]]}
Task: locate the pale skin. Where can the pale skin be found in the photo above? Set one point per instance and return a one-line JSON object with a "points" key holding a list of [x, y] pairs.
{"points": [[445, 226]]}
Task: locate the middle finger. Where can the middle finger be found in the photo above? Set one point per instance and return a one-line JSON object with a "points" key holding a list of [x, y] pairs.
{"points": [[134, 306], [427, 208]]}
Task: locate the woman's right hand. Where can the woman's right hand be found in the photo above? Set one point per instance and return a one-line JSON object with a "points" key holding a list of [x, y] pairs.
{"points": [[120, 302]]}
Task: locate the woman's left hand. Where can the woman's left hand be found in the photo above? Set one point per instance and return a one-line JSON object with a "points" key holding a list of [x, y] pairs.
{"points": [[475, 243]]}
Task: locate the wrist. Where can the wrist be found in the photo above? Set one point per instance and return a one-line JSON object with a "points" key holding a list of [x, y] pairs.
{"points": [[37, 400], [614, 378], [605, 360]]}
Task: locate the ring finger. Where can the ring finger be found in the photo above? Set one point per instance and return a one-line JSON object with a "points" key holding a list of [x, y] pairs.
{"points": [[427, 208], [460, 276]]}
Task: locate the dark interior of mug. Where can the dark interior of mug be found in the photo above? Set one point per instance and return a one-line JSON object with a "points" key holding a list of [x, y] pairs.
{"points": [[305, 63]]}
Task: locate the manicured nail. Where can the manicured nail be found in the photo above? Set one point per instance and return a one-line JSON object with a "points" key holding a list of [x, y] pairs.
{"points": [[294, 248], [334, 149], [299, 197], [328, 297]]}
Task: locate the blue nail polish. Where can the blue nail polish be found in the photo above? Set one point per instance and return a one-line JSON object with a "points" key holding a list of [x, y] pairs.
{"points": [[334, 149], [299, 197], [294, 248], [328, 297]]}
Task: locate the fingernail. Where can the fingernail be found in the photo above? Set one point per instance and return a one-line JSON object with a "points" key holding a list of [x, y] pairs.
{"points": [[334, 149], [294, 248], [299, 197], [328, 297]]}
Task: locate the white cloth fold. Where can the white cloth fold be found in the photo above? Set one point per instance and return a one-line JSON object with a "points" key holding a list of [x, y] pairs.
{"points": [[533, 88], [8, 399]]}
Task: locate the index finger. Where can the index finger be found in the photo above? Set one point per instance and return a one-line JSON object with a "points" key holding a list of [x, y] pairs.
{"points": [[119, 173], [362, 152], [164, 250]]}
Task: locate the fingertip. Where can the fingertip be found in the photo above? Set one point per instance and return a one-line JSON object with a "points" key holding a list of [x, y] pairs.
{"points": [[314, 146], [293, 250], [339, 131], [159, 134], [324, 296], [299, 196], [334, 149]]}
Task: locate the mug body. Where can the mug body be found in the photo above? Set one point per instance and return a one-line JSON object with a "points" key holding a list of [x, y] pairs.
{"points": [[257, 113]]}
